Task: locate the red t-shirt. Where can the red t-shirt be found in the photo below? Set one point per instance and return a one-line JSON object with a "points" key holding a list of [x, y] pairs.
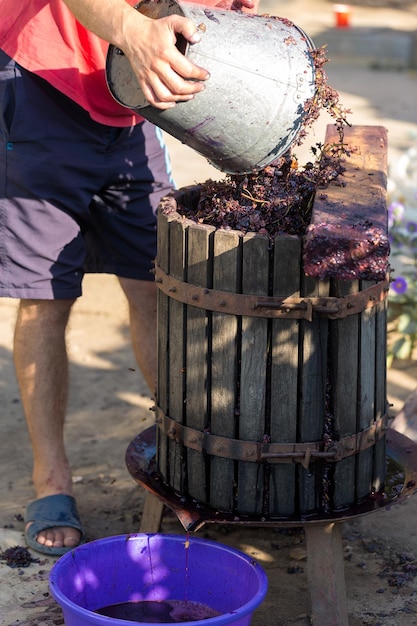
{"points": [[45, 38]]}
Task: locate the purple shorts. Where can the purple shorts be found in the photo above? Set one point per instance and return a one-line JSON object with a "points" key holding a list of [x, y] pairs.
{"points": [[76, 196]]}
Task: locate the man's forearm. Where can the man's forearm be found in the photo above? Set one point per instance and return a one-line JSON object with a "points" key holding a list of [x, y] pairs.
{"points": [[165, 75], [105, 18]]}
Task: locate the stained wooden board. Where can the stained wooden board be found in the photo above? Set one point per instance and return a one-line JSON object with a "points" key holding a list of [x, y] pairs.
{"points": [[162, 390], [176, 343], [344, 372], [348, 235], [198, 357], [224, 359], [284, 374], [312, 402], [254, 356]]}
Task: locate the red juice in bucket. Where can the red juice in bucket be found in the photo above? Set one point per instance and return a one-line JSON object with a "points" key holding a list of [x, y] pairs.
{"points": [[171, 573], [159, 612]]}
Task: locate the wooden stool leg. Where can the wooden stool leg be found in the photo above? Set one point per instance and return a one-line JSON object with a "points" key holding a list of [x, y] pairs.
{"points": [[326, 574], [152, 514]]}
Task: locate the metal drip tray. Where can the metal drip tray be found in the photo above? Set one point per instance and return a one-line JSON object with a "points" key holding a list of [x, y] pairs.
{"points": [[401, 483]]}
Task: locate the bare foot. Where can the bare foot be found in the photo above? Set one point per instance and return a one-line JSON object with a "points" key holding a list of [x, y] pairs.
{"points": [[54, 503], [53, 524], [58, 537]]}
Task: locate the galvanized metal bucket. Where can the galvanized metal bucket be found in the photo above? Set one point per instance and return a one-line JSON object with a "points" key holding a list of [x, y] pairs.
{"points": [[262, 78]]}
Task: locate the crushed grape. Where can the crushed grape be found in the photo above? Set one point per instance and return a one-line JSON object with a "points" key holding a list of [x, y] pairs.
{"points": [[279, 198]]}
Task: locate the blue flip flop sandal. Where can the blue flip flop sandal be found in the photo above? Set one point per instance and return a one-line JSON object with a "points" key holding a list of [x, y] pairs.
{"points": [[48, 512]]}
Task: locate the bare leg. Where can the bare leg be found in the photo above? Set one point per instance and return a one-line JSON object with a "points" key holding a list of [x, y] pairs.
{"points": [[42, 371], [141, 295]]}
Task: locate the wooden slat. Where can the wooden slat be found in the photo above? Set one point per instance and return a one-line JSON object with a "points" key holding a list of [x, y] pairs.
{"points": [[284, 374], [198, 356], [381, 404], [312, 407], [162, 388], [326, 574], [348, 234], [254, 355], [226, 275], [364, 468], [344, 355], [152, 514], [176, 363]]}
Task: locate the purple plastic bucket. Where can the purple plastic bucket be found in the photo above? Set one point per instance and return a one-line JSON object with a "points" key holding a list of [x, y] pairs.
{"points": [[143, 567]]}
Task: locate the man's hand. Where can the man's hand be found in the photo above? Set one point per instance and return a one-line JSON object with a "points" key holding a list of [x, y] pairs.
{"points": [[165, 75]]}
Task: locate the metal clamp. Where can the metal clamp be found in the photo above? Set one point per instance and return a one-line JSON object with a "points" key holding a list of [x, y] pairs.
{"points": [[259, 452], [271, 307]]}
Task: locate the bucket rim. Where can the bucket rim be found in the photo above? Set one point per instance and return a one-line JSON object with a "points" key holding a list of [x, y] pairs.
{"points": [[222, 620]]}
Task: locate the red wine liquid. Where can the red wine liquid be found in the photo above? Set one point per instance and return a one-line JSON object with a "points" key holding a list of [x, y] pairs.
{"points": [[159, 612]]}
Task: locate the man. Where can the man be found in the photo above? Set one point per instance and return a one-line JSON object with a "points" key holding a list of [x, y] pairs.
{"points": [[81, 178]]}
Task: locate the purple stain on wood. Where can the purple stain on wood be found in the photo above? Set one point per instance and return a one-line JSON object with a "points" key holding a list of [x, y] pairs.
{"points": [[346, 252], [348, 234]]}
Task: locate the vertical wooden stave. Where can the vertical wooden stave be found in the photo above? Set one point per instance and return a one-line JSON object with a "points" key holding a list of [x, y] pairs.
{"points": [[252, 388], [284, 374], [224, 366], [198, 356], [176, 363], [366, 377], [381, 404], [312, 407], [344, 355], [163, 347]]}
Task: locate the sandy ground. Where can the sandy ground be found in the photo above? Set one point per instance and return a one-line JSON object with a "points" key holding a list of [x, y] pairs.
{"points": [[109, 402]]}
